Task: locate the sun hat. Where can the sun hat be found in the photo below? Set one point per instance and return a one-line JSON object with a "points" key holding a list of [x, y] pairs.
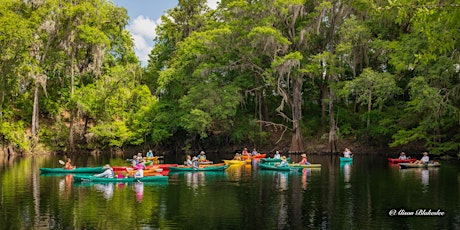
{"points": [[202, 152], [425, 153], [107, 166], [303, 155], [283, 157]]}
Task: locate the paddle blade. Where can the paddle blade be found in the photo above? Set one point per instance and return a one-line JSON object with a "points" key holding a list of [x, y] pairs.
{"points": [[61, 162]]}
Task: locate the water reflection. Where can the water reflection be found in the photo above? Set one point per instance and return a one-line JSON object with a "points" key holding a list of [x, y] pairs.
{"points": [[195, 179], [106, 189], [235, 199], [346, 168], [425, 177]]}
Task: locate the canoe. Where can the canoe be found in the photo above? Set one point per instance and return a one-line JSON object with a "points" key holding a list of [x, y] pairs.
{"points": [[78, 178], [234, 162], [305, 166], [278, 168], [397, 160], [268, 160], [76, 170], [208, 168], [346, 159], [412, 165]]}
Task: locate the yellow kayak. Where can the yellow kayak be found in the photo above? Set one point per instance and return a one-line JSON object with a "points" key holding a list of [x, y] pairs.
{"points": [[234, 162]]}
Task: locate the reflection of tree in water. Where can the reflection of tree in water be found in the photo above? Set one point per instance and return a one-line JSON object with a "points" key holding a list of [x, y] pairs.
{"points": [[282, 186]]}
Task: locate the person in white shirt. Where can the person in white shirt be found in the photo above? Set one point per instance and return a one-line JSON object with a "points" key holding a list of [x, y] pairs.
{"points": [[402, 156], [425, 159], [277, 155], [108, 173], [347, 153]]}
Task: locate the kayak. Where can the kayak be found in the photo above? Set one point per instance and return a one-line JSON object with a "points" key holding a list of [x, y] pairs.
{"points": [[77, 178], [305, 166], [346, 159], [261, 156], [397, 160], [234, 162], [278, 168], [76, 170], [128, 168], [268, 160], [412, 165], [207, 168]]}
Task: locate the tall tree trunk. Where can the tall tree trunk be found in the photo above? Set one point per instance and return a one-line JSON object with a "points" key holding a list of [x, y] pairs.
{"points": [[324, 105], [265, 116], [72, 79], [297, 143], [35, 111], [332, 128]]}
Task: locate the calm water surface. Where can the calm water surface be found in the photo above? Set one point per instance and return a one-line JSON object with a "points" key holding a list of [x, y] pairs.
{"points": [[359, 195]]}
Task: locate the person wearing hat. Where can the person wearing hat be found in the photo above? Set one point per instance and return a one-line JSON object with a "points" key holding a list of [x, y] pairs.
{"points": [[195, 162], [108, 173], [202, 156], [425, 159], [284, 162], [304, 160]]}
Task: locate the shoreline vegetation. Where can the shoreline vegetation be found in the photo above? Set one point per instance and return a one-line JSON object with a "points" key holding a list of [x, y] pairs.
{"points": [[295, 76]]}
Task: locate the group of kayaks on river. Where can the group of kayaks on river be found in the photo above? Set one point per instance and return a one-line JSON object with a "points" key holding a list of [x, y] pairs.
{"points": [[138, 169]]}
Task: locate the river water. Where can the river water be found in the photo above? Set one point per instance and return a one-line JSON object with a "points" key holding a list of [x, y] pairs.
{"points": [[366, 194]]}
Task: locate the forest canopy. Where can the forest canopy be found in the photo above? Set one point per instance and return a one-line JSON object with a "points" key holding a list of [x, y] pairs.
{"points": [[248, 73]]}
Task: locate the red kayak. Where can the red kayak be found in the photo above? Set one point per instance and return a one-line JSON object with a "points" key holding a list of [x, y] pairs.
{"points": [[397, 160], [126, 168]]}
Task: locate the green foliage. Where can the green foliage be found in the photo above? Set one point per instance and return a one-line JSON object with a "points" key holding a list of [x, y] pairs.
{"points": [[14, 133], [390, 70]]}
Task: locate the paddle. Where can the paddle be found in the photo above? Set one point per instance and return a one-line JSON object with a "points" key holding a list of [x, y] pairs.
{"points": [[61, 162]]}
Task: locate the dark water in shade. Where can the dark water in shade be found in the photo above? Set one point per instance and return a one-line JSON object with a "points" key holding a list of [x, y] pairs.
{"points": [[359, 195]]}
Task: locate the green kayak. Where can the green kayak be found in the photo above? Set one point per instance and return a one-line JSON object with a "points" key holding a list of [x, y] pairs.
{"points": [[207, 168], [76, 170], [278, 168], [78, 178], [273, 160]]}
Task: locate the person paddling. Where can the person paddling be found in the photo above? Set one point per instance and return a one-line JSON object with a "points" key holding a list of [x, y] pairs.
{"points": [[68, 164], [347, 153], [108, 173], [304, 160]]}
